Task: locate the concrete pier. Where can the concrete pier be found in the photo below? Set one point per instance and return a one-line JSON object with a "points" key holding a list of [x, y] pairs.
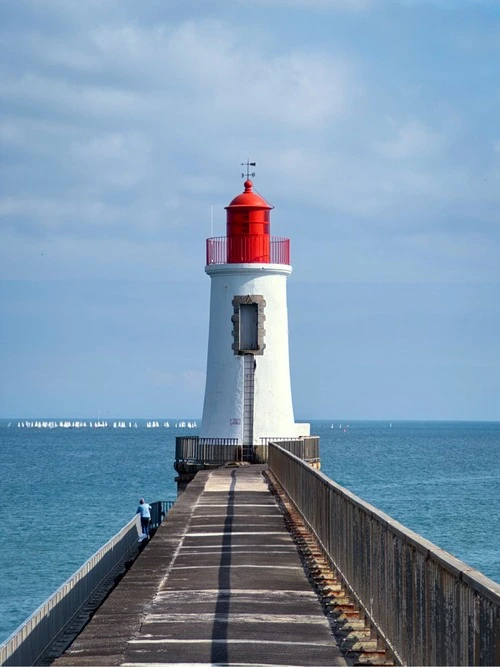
{"points": [[220, 583]]}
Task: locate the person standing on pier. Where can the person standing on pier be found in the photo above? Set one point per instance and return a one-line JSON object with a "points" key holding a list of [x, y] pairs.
{"points": [[144, 510]]}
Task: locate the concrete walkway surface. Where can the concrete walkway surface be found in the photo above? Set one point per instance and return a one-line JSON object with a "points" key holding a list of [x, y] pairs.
{"points": [[221, 583]]}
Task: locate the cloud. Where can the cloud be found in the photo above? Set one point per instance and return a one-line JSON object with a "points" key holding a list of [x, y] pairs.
{"points": [[111, 116], [450, 4], [123, 123], [119, 125], [319, 5], [122, 158], [412, 141], [205, 61], [54, 213]]}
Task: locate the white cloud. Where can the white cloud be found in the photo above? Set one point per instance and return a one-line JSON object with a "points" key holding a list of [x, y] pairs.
{"points": [[325, 5], [99, 256], [450, 4], [109, 147], [42, 92], [412, 140], [205, 62], [122, 158], [52, 214], [121, 123], [197, 71], [136, 127]]}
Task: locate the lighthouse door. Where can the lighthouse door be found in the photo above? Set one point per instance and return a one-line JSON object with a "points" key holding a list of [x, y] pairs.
{"points": [[248, 405]]}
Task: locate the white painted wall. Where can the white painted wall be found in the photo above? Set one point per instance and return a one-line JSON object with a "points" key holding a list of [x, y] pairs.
{"points": [[223, 406]]}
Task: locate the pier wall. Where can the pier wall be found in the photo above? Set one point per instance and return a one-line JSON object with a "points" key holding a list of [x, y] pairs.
{"points": [[431, 608], [67, 610]]}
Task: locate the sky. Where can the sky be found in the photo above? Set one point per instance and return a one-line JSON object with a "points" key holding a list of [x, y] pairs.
{"points": [[375, 126]]}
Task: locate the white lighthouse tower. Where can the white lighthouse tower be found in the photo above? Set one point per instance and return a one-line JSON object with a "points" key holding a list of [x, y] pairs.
{"points": [[248, 394]]}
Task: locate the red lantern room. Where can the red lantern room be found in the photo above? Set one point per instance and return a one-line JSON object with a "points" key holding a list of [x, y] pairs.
{"points": [[248, 227]]}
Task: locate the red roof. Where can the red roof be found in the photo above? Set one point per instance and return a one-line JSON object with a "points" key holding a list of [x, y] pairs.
{"points": [[249, 199]]}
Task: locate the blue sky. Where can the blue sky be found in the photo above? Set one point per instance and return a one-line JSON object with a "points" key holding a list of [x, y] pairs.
{"points": [[375, 126]]}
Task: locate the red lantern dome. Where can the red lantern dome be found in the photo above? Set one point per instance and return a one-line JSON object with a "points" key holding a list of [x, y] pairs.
{"points": [[248, 228]]}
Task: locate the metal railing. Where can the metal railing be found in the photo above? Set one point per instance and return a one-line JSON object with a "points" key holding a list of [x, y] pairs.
{"points": [[306, 448], [216, 451], [430, 608], [192, 449], [27, 644], [278, 251], [159, 510]]}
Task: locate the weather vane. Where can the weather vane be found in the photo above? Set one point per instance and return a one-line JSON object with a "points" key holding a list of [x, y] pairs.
{"points": [[248, 164]]}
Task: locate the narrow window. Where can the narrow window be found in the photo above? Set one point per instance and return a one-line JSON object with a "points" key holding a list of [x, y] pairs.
{"points": [[249, 319]]}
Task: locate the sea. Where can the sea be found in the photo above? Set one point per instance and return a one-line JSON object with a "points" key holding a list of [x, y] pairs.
{"points": [[65, 490]]}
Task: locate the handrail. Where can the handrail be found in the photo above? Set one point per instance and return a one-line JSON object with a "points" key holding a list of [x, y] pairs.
{"points": [[217, 451], [305, 447], [275, 250], [431, 608], [159, 510], [193, 449], [37, 634]]}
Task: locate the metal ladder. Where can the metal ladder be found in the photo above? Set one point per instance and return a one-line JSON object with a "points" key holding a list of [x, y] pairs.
{"points": [[248, 405]]}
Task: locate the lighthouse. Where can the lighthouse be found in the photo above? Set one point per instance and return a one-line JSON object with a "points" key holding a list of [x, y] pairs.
{"points": [[248, 396]]}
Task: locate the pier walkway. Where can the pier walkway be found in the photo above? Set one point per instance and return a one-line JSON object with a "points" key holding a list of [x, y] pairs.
{"points": [[221, 582]]}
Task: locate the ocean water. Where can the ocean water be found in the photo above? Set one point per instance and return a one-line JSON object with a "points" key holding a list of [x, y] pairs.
{"points": [[64, 492]]}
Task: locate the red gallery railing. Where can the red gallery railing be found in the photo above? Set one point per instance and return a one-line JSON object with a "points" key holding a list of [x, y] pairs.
{"points": [[217, 250]]}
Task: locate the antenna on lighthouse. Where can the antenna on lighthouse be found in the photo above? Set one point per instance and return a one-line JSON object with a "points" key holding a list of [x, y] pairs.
{"points": [[211, 220], [248, 164]]}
